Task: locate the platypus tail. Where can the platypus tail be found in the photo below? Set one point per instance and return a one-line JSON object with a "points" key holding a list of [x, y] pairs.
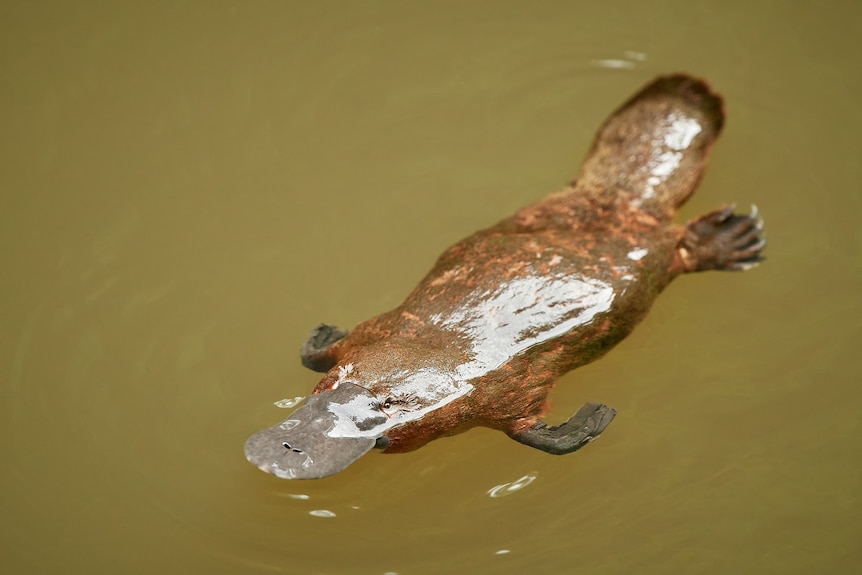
{"points": [[653, 150]]}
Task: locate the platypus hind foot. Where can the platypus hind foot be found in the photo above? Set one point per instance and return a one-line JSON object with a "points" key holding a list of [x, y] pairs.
{"points": [[315, 351], [582, 428], [722, 240]]}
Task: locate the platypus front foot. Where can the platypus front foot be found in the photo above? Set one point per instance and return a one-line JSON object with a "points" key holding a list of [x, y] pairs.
{"points": [[582, 428], [315, 352]]}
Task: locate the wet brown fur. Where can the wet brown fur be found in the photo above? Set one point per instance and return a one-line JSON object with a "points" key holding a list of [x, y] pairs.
{"points": [[585, 231]]}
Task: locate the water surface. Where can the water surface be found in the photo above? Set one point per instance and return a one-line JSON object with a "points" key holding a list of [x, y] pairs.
{"points": [[187, 188]]}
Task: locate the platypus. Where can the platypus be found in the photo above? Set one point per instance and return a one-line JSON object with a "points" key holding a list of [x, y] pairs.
{"points": [[508, 310]]}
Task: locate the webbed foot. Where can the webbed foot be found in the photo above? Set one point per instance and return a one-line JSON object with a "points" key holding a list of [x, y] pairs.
{"points": [[315, 351], [722, 240], [582, 428]]}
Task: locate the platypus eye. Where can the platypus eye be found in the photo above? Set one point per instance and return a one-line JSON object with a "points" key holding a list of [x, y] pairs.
{"points": [[390, 406], [394, 405]]}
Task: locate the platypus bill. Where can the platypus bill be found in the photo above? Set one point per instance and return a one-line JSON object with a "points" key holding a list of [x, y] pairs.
{"points": [[505, 312]]}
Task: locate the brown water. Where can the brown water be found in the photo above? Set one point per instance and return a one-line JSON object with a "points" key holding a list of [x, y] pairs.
{"points": [[187, 188]]}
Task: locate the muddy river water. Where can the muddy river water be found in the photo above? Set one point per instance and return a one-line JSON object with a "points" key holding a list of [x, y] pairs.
{"points": [[186, 188]]}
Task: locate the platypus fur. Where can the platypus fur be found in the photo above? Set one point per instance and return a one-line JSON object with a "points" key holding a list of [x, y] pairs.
{"points": [[508, 310]]}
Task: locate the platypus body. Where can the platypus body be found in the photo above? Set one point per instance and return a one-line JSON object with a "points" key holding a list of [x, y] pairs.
{"points": [[505, 312]]}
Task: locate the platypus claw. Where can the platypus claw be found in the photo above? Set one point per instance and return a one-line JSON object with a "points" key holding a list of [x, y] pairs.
{"points": [[722, 240], [582, 428]]}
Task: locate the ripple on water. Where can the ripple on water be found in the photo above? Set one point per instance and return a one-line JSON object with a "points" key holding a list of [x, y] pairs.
{"points": [[286, 403], [321, 513], [509, 488]]}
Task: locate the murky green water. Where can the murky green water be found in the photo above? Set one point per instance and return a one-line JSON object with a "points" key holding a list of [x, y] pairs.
{"points": [[187, 188]]}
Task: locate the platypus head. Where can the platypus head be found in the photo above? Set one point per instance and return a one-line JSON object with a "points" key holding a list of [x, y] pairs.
{"points": [[356, 412], [330, 431]]}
